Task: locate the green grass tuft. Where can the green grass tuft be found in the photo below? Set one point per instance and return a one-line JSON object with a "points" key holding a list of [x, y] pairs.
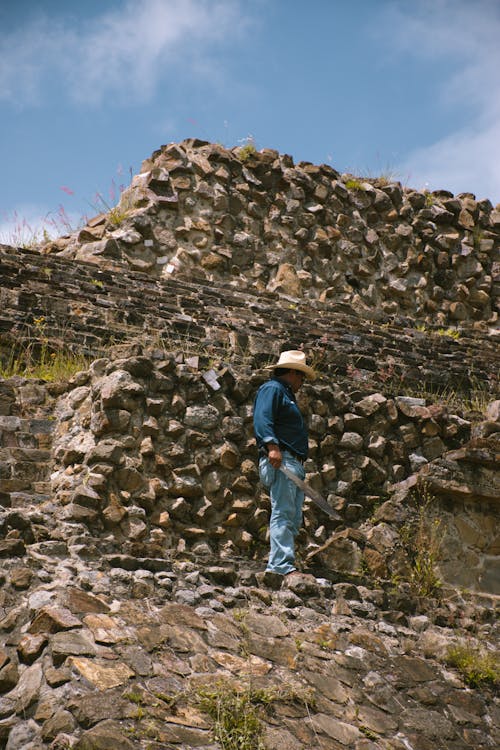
{"points": [[421, 538], [41, 358], [354, 184], [478, 667], [237, 725], [237, 712]]}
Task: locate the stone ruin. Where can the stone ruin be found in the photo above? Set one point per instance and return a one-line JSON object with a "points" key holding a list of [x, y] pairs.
{"points": [[258, 221], [133, 527]]}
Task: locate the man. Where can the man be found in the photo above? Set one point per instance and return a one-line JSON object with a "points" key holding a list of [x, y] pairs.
{"points": [[282, 439]]}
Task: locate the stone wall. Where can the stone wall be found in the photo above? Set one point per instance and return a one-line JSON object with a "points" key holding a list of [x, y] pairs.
{"points": [[163, 456], [86, 307], [262, 222], [146, 455], [466, 485]]}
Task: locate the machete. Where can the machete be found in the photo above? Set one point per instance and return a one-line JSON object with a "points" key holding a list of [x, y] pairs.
{"points": [[318, 499]]}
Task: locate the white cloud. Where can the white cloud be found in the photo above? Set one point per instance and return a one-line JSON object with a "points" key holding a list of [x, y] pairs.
{"points": [[465, 35], [26, 57], [122, 53], [132, 50], [465, 161]]}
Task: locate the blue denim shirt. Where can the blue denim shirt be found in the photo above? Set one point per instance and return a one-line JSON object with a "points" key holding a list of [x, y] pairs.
{"points": [[277, 418]]}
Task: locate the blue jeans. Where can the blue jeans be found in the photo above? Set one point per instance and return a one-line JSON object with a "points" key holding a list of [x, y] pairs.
{"points": [[286, 511]]}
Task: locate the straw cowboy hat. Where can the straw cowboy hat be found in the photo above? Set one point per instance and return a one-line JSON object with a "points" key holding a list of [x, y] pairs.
{"points": [[294, 360]]}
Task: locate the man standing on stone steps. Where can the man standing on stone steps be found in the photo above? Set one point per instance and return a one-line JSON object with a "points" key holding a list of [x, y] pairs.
{"points": [[282, 439]]}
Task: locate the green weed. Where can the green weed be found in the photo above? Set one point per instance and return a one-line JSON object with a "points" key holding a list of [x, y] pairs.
{"points": [[383, 174], [237, 713], [245, 152], [22, 234], [116, 215], [364, 569], [481, 393], [478, 667], [368, 732], [477, 236], [421, 538], [474, 398], [134, 697], [354, 184], [42, 358], [169, 700], [452, 333], [237, 725]]}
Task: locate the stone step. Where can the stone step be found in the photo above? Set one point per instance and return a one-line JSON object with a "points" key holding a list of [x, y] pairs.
{"points": [[24, 455], [26, 433], [30, 266], [128, 562], [14, 485], [19, 484], [130, 304], [34, 425], [22, 475], [28, 499]]}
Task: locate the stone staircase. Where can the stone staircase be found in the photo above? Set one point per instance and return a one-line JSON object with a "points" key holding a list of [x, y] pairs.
{"points": [[88, 309], [26, 429]]}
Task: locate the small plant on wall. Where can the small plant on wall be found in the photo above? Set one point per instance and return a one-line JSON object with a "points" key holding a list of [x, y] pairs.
{"points": [[421, 536], [238, 712], [41, 355], [478, 667], [248, 149]]}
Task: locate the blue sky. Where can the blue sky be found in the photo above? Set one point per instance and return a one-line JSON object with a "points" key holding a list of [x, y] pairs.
{"points": [[89, 89]]}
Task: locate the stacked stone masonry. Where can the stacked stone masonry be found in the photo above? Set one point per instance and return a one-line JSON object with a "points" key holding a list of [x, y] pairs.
{"points": [[262, 222], [89, 308], [133, 530]]}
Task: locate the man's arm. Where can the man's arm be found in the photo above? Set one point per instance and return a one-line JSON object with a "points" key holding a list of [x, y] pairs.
{"points": [[265, 408]]}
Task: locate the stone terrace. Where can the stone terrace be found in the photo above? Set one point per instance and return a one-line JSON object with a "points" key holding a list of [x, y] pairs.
{"points": [[89, 308]]}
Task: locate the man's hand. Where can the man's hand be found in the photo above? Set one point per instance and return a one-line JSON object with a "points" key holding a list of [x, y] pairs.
{"points": [[274, 455]]}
